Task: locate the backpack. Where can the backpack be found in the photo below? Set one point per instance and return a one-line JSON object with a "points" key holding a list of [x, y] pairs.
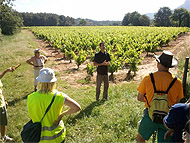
{"points": [[32, 131], [159, 107]]}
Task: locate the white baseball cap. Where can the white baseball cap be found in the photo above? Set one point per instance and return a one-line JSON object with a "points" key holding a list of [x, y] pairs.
{"points": [[46, 75]]}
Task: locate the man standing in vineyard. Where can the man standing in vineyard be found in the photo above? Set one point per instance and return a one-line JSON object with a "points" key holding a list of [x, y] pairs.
{"points": [[38, 61], [102, 61], [158, 85]]}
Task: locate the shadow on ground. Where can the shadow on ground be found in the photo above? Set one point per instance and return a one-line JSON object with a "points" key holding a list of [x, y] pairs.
{"points": [[16, 100], [85, 112]]}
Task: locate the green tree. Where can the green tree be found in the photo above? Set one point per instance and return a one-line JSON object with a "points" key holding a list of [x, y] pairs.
{"points": [[82, 22], [162, 17], [69, 21], [144, 20], [10, 20], [135, 18], [62, 20], [181, 16], [125, 20]]}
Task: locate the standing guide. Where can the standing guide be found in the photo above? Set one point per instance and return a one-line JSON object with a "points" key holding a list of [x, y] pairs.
{"points": [[38, 61], [102, 61], [148, 89]]}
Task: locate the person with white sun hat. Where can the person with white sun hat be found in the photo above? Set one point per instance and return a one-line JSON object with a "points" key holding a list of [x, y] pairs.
{"points": [[53, 129]]}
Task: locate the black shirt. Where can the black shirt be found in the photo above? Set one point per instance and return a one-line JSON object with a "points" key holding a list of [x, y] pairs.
{"points": [[100, 58]]}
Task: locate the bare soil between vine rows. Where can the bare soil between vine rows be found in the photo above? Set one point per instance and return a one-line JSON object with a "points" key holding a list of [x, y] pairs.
{"points": [[68, 71]]}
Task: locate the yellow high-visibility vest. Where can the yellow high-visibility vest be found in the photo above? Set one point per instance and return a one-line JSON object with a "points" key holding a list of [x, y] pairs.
{"points": [[37, 104]]}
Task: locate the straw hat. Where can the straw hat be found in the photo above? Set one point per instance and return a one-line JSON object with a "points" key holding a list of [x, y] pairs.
{"points": [[167, 59]]}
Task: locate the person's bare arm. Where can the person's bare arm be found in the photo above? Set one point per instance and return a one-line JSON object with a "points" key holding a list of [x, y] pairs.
{"points": [[140, 97], [30, 62], [73, 108], [45, 59], [5, 71]]}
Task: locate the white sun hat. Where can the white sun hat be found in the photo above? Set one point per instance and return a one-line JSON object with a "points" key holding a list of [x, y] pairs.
{"points": [[46, 75]]}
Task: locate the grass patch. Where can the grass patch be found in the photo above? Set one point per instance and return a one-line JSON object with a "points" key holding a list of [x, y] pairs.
{"points": [[183, 55], [114, 120], [17, 85]]}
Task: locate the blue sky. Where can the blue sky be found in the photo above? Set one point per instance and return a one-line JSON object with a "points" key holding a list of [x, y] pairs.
{"points": [[94, 9]]}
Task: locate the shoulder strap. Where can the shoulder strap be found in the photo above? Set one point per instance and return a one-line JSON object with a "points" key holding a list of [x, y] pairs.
{"points": [[146, 100], [171, 84], [153, 82], [49, 106]]}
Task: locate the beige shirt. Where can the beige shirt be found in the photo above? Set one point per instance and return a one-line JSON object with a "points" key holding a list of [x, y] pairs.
{"points": [[2, 102]]}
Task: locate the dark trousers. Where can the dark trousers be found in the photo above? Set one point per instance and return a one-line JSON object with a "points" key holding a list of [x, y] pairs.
{"points": [[99, 80]]}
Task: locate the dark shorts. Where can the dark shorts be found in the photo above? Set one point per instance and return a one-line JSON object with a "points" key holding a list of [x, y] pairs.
{"points": [[3, 116], [147, 128]]}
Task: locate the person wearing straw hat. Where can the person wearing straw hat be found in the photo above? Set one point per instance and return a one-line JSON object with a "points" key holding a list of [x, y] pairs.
{"points": [[53, 129], [37, 61], [146, 92]]}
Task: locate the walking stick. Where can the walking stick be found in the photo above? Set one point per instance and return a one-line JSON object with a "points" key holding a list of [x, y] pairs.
{"points": [[15, 67], [185, 78]]}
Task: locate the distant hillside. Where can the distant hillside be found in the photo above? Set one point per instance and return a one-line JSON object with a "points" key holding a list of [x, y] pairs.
{"points": [[150, 15], [186, 5], [97, 23]]}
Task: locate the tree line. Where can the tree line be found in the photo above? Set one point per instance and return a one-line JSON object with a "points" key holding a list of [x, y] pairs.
{"points": [[46, 19], [11, 21], [164, 17]]}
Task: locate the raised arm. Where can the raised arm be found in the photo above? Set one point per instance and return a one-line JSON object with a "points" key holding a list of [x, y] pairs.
{"points": [[5, 71]]}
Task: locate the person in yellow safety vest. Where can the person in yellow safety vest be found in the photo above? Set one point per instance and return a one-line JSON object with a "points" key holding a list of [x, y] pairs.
{"points": [[53, 129]]}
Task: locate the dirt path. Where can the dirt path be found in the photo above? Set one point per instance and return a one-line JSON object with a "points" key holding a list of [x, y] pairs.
{"points": [[177, 47], [67, 71]]}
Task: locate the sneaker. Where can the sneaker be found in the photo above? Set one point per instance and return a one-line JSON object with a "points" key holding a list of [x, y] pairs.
{"points": [[6, 139]]}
